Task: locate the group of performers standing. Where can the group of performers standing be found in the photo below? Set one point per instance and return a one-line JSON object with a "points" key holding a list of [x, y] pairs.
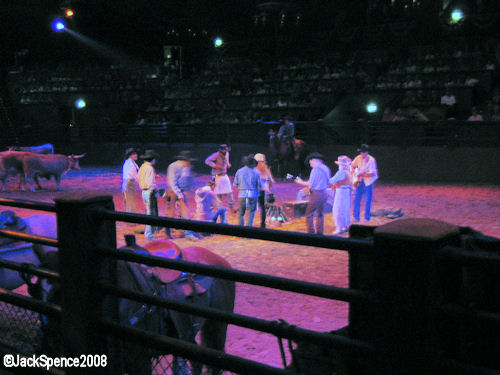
{"points": [[250, 180], [358, 174]]}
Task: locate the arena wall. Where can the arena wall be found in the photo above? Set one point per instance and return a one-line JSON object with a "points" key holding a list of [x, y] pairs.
{"points": [[411, 164]]}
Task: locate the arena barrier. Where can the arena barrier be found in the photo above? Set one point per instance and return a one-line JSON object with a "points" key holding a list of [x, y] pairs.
{"points": [[423, 295], [403, 134]]}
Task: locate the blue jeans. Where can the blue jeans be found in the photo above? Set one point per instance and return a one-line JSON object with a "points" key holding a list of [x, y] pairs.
{"points": [[252, 206], [149, 198], [367, 191], [221, 212]]}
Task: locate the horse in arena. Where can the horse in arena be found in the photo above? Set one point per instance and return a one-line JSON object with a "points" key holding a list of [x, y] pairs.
{"points": [[201, 290], [22, 252], [135, 359], [287, 155]]}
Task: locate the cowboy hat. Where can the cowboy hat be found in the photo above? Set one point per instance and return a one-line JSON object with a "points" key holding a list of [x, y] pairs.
{"points": [[314, 155], [343, 160], [150, 155], [185, 155], [364, 148], [224, 148], [129, 151], [260, 157]]}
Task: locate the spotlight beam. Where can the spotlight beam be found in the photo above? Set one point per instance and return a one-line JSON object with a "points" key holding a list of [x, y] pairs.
{"points": [[106, 51]]}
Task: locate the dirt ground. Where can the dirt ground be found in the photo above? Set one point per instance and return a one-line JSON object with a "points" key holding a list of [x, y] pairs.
{"points": [[463, 205]]}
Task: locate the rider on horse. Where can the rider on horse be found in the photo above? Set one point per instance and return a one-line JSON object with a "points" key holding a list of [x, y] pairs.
{"points": [[286, 133]]}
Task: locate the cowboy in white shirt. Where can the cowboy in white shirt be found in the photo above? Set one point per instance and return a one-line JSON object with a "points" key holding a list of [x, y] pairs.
{"points": [[130, 179], [365, 172]]}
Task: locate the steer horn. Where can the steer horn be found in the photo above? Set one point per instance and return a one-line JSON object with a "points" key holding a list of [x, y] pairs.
{"points": [[78, 156]]}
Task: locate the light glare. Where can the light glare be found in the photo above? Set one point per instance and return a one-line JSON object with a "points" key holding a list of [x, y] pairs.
{"points": [[218, 42], [58, 25], [80, 103], [371, 108]]}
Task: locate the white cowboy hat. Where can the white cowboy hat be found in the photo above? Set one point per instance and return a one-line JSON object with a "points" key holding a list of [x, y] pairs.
{"points": [[260, 157], [343, 160]]}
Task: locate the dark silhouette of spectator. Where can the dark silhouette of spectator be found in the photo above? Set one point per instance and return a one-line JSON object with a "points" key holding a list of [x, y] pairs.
{"points": [[475, 115], [449, 102]]}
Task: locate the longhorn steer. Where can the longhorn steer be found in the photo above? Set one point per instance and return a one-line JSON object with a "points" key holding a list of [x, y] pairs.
{"points": [[11, 162], [46, 148], [49, 165]]}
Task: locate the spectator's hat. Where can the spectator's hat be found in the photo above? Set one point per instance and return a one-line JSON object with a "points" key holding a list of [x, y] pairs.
{"points": [[224, 148], [150, 155], [314, 155], [185, 155], [364, 148], [343, 161], [130, 151], [260, 157]]}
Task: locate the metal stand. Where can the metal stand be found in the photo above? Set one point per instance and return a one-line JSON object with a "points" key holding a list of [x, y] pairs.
{"points": [[275, 215]]}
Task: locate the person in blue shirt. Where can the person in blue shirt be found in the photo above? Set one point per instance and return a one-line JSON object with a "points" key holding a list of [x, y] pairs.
{"points": [[318, 183], [247, 181]]}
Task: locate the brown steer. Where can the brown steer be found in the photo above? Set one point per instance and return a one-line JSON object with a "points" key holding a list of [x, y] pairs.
{"points": [[11, 162], [36, 165]]}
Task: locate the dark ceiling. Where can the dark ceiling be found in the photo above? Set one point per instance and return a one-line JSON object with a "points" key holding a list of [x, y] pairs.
{"points": [[142, 27]]}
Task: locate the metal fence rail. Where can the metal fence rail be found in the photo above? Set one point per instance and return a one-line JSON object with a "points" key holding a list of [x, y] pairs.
{"points": [[32, 205], [188, 350], [289, 285], [459, 368], [472, 315], [28, 237], [29, 303], [26, 268], [476, 258], [279, 329], [296, 238]]}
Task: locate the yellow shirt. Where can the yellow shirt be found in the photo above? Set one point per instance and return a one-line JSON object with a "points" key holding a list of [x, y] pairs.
{"points": [[147, 176]]}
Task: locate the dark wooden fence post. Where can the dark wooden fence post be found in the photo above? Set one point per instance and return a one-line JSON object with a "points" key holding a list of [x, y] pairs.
{"points": [[403, 324], [79, 235]]}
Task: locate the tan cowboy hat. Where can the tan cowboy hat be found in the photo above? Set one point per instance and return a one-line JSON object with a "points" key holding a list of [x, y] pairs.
{"points": [[185, 155], [150, 155]]}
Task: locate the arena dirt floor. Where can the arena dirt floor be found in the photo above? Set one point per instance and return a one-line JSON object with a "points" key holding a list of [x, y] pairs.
{"points": [[463, 205]]}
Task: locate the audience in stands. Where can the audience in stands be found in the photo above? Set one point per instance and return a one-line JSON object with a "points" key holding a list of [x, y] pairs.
{"points": [[238, 90]]}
